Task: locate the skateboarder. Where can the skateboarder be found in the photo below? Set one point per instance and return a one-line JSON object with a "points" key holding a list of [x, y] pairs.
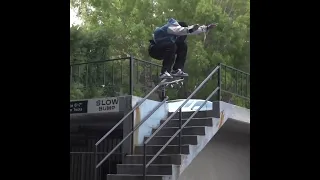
{"points": [[169, 41]]}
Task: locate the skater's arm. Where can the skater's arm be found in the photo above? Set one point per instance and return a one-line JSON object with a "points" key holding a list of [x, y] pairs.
{"points": [[201, 29], [190, 30]]}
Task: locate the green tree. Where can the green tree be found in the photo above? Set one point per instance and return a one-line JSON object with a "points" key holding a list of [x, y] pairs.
{"points": [[124, 27]]}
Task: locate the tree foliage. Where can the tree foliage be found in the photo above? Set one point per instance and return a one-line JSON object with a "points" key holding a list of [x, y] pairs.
{"points": [[118, 28]]}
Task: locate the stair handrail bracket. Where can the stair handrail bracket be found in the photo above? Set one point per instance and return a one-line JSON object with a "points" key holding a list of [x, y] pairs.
{"points": [[97, 165], [217, 89]]}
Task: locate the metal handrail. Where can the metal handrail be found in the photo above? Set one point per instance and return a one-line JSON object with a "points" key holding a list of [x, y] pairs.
{"points": [[141, 122], [185, 102], [145, 164], [133, 109], [180, 129], [134, 129]]}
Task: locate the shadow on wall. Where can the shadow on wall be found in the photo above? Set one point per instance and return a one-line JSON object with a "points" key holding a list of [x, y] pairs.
{"points": [[225, 157]]}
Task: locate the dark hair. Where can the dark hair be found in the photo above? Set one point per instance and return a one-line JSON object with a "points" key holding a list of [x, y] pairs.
{"points": [[183, 24]]}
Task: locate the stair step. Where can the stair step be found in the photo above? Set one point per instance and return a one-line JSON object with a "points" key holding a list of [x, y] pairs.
{"points": [[136, 177], [170, 149], [192, 130], [161, 140], [153, 169], [175, 159], [186, 115], [192, 122]]}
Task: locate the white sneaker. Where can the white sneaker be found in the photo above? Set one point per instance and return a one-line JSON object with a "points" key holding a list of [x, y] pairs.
{"points": [[179, 73], [165, 75]]}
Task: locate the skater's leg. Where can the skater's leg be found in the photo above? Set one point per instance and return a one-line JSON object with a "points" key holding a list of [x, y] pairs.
{"points": [[165, 52], [182, 49], [168, 56]]}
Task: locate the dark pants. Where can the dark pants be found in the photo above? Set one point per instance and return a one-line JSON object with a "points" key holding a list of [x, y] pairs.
{"points": [[167, 52]]}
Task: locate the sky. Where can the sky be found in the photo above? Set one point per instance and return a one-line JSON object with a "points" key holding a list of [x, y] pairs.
{"points": [[73, 18]]}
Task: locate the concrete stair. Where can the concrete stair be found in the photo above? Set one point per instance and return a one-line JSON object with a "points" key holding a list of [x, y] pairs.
{"points": [[170, 163], [193, 122], [193, 130], [161, 140], [170, 149], [175, 159], [153, 169], [136, 177]]}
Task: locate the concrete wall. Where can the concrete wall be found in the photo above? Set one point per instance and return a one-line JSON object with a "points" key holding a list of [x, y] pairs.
{"points": [[152, 122], [225, 157]]}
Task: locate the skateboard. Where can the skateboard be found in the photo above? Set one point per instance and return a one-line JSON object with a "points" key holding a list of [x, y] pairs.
{"points": [[175, 82]]}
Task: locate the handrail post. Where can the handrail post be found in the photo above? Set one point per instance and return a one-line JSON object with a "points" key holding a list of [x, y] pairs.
{"points": [[95, 162], [180, 133], [163, 92], [219, 82], [131, 65], [144, 161]]}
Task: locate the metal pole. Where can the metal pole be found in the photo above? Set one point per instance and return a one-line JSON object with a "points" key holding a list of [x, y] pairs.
{"points": [[131, 93], [180, 133], [95, 162], [144, 162], [82, 167], [131, 75], [219, 82], [163, 92]]}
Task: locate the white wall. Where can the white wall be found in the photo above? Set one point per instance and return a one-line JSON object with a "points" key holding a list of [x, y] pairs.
{"points": [[226, 157]]}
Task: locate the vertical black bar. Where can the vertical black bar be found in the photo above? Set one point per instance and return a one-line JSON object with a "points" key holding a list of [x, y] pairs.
{"points": [[82, 166], [109, 166], [225, 75], [104, 73], [247, 85], [70, 74], [145, 75], [112, 73], [219, 83], [79, 75], [241, 84], [87, 76], [150, 74], [144, 161], [236, 82], [180, 133], [131, 76], [163, 92], [121, 64], [95, 162], [137, 64]]}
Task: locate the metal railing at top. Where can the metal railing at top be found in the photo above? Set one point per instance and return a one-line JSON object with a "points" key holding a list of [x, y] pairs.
{"points": [[235, 86], [133, 130], [113, 77]]}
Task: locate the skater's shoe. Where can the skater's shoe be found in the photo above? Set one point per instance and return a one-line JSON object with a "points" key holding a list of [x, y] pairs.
{"points": [[165, 75], [179, 73]]}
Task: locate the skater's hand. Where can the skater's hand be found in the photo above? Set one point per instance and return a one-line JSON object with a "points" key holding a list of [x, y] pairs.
{"points": [[195, 27], [211, 26]]}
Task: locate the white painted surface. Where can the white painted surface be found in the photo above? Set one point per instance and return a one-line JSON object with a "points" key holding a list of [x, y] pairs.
{"points": [[235, 112], [152, 122]]}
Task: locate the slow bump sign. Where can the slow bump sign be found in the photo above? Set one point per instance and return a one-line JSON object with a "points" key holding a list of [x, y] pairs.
{"points": [[104, 105]]}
